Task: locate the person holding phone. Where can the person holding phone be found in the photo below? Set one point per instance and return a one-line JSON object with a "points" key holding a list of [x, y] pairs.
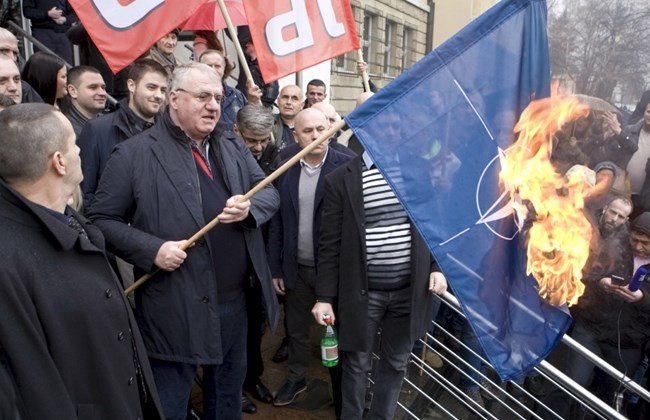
{"points": [[610, 320]]}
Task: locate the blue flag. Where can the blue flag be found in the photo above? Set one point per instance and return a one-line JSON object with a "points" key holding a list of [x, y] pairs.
{"points": [[436, 133]]}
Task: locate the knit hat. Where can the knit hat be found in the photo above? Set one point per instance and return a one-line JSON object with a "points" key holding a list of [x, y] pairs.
{"points": [[642, 223]]}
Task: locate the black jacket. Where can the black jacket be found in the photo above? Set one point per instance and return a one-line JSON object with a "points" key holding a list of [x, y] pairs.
{"points": [[67, 335], [342, 261], [36, 12], [283, 230], [97, 141], [606, 314], [149, 193]]}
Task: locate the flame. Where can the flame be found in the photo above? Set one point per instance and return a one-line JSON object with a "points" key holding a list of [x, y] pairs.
{"points": [[558, 240]]}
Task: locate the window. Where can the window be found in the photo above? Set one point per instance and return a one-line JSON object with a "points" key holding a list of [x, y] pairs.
{"points": [[348, 62], [369, 46], [407, 49], [389, 48]]}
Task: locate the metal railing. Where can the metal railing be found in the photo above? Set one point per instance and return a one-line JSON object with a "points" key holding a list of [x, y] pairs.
{"points": [[435, 393]]}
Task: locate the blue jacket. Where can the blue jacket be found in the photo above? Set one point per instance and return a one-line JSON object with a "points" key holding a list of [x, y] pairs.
{"points": [[283, 230], [233, 101], [149, 194]]}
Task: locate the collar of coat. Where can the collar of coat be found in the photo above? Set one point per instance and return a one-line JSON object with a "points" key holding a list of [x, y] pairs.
{"points": [[36, 216]]}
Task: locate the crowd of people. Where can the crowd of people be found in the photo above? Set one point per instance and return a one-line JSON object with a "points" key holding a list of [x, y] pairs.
{"points": [[91, 200], [94, 195]]}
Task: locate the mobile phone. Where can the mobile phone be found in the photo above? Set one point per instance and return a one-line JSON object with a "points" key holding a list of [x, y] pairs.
{"points": [[618, 280]]}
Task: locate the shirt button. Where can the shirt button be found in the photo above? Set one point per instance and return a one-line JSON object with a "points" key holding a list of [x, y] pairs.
{"points": [[131, 381], [108, 293], [120, 336], [363, 292], [205, 299]]}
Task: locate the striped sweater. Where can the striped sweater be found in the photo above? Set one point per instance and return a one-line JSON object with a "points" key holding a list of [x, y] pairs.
{"points": [[388, 234]]}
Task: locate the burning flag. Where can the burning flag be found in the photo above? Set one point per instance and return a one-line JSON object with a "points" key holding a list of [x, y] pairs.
{"points": [[558, 240], [442, 126]]}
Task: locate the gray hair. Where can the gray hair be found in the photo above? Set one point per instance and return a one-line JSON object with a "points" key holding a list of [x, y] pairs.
{"points": [[255, 118], [6, 35], [183, 72], [31, 133]]}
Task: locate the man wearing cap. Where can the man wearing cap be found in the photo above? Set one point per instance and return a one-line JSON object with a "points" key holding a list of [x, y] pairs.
{"points": [[610, 320]]}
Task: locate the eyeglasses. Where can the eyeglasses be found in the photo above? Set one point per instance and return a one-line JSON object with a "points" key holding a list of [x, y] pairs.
{"points": [[203, 97], [256, 142]]}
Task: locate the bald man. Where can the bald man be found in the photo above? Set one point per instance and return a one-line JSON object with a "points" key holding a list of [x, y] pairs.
{"points": [[293, 241], [332, 117], [290, 104]]}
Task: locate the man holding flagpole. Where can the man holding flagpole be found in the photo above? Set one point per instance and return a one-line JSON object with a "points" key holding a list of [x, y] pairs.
{"points": [[158, 189]]}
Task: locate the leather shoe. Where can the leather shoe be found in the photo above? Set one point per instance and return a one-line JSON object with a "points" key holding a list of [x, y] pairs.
{"points": [[282, 353], [260, 392], [247, 406], [288, 392]]}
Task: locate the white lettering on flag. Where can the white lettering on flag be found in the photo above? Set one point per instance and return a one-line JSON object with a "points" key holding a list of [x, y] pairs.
{"points": [[121, 17], [299, 18]]}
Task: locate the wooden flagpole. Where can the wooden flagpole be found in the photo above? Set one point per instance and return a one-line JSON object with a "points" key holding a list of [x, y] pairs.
{"points": [[257, 188], [233, 35], [364, 75]]}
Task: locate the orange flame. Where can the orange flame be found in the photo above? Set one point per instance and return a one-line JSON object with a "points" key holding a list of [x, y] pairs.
{"points": [[558, 241]]}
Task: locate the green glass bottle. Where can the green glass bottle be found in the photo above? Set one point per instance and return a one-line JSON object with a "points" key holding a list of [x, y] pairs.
{"points": [[329, 344]]}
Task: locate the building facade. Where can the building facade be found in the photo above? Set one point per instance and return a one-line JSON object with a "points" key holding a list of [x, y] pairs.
{"points": [[395, 34]]}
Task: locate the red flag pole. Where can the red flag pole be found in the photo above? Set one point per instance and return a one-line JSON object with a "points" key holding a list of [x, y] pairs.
{"points": [[235, 40], [257, 188]]}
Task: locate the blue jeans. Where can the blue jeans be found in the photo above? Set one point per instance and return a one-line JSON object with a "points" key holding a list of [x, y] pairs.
{"points": [[222, 384], [390, 311]]}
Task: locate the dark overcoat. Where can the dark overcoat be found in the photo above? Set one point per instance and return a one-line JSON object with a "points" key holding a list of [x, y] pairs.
{"points": [[341, 272], [96, 142], [149, 193], [68, 340], [283, 230]]}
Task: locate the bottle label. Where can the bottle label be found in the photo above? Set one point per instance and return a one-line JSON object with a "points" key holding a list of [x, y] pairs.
{"points": [[329, 353]]}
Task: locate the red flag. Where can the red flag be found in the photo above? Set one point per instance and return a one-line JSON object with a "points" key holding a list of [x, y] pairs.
{"points": [[209, 18], [290, 35], [124, 29]]}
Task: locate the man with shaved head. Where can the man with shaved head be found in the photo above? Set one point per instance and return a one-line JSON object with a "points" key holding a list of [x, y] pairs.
{"points": [[290, 104], [69, 343], [332, 117], [293, 242]]}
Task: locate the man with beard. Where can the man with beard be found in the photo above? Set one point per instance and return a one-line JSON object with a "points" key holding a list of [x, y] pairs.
{"points": [[158, 189], [87, 92], [610, 320], [147, 84]]}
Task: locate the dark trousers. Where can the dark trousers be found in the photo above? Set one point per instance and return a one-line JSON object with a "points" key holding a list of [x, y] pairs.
{"points": [[297, 306], [222, 384], [580, 369], [255, 312], [299, 301], [390, 311], [58, 42]]}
